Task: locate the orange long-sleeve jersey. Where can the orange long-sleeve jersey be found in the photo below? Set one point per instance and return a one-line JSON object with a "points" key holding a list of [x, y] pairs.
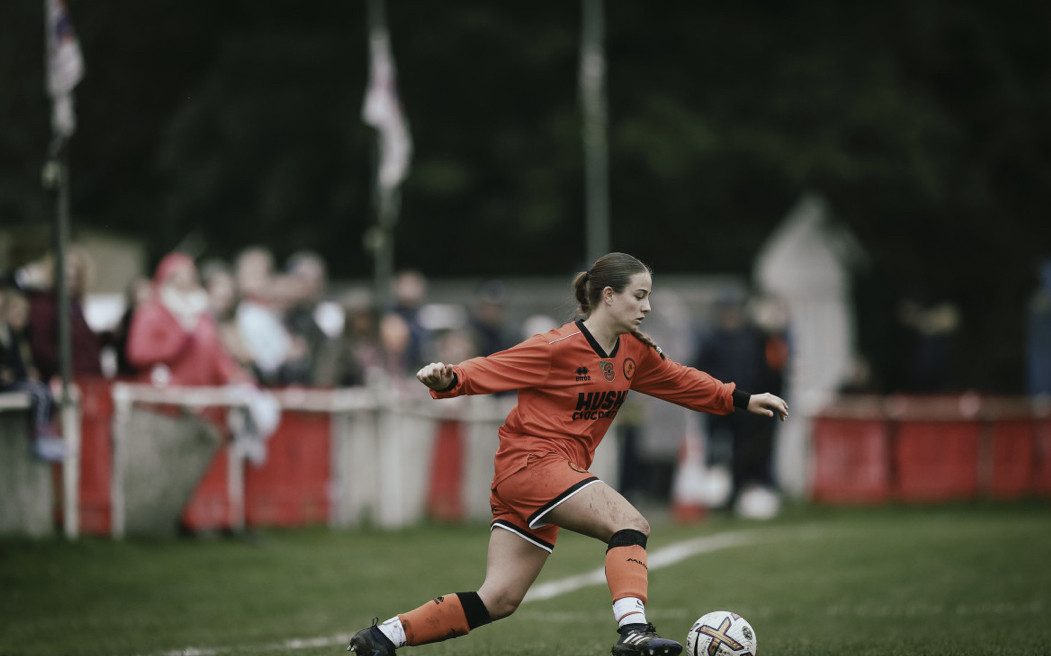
{"points": [[569, 391]]}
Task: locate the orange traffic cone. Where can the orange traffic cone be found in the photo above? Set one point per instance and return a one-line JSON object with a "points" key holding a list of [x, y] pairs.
{"points": [[688, 486]]}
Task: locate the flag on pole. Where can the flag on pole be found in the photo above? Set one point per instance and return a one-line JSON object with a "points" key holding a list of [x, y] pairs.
{"points": [[65, 67], [382, 110]]}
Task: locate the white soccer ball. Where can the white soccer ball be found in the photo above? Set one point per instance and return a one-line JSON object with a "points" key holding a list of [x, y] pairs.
{"points": [[721, 633]]}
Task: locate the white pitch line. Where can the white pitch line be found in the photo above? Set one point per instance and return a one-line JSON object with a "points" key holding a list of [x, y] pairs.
{"points": [[665, 557], [660, 558], [293, 644]]}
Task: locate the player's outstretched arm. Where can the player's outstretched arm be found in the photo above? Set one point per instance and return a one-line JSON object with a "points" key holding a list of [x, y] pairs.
{"points": [[437, 375], [769, 405]]}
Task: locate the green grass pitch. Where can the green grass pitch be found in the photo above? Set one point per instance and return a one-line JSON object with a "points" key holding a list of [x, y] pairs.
{"points": [[969, 579]]}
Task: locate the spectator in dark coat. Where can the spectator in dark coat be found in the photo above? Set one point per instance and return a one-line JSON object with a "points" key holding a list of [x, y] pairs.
{"points": [[43, 320]]}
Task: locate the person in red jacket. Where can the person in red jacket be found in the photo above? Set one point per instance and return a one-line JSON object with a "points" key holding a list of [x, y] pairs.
{"points": [[571, 382], [173, 338]]}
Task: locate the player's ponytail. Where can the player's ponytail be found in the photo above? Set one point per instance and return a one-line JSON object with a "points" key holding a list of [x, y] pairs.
{"points": [[646, 339], [580, 290], [612, 270]]}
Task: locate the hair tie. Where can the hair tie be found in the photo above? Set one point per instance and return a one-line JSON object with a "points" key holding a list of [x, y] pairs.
{"points": [[587, 276]]}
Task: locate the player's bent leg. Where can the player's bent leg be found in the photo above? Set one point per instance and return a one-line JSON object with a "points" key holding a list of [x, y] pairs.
{"points": [[512, 565], [601, 512], [441, 618]]}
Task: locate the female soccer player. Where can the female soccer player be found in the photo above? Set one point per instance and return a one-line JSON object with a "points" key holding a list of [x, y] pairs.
{"points": [[571, 382]]}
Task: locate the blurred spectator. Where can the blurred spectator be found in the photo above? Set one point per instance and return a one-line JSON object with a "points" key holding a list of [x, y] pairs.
{"points": [[931, 329], [488, 319], [395, 344], [43, 317], [410, 292], [306, 278], [221, 287], [14, 311], [736, 349], [138, 293], [258, 315], [17, 374], [358, 353], [1038, 337], [456, 345], [771, 318], [173, 338]]}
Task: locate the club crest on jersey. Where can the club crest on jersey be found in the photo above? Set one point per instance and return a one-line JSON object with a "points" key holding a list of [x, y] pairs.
{"points": [[629, 368], [607, 370]]}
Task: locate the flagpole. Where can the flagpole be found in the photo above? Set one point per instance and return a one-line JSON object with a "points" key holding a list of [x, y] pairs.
{"points": [[596, 151], [380, 238], [65, 67], [382, 110], [56, 179]]}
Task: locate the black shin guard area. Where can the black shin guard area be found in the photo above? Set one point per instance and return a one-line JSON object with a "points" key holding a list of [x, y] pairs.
{"points": [[628, 537], [473, 609]]}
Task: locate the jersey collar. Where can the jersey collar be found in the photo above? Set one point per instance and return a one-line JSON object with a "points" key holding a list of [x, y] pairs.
{"points": [[594, 343]]}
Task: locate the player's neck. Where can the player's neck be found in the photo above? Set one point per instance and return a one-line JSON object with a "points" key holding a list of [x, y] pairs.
{"points": [[603, 333]]}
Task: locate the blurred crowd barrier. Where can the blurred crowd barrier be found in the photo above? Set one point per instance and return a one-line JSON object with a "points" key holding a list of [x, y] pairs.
{"points": [[876, 449], [152, 461]]}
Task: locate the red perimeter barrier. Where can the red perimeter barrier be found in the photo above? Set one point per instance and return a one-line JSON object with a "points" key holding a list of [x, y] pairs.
{"points": [[292, 487], [1011, 459], [209, 508], [851, 460], [445, 495], [929, 449], [96, 455], [1042, 456], [937, 460]]}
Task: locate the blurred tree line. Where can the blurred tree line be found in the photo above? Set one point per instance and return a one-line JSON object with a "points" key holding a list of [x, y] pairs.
{"points": [[218, 124]]}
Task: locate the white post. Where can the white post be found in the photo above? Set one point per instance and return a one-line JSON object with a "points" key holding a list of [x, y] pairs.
{"points": [[235, 486], [121, 413], [392, 499], [71, 467]]}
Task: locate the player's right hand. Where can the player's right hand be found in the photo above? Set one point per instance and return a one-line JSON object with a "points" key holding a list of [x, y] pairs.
{"points": [[436, 375]]}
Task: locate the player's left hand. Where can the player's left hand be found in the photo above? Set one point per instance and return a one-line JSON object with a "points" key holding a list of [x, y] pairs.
{"points": [[769, 405]]}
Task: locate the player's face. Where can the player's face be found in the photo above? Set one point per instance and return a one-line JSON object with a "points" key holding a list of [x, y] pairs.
{"points": [[630, 306]]}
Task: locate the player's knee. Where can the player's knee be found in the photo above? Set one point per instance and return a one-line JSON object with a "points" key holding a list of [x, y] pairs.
{"points": [[642, 526], [637, 524], [502, 605], [627, 538]]}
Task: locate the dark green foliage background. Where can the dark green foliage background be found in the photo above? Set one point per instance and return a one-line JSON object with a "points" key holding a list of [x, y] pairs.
{"points": [[228, 123]]}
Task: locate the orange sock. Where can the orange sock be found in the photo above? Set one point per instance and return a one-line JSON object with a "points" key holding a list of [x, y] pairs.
{"points": [[626, 572], [445, 617]]}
